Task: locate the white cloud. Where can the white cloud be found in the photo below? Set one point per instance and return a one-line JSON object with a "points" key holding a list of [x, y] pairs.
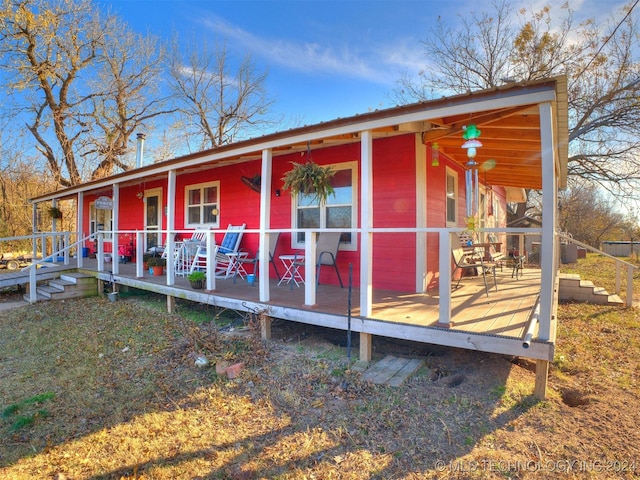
{"points": [[367, 62]]}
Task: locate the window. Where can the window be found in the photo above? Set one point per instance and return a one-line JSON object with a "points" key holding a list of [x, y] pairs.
{"points": [[100, 220], [202, 205], [337, 212], [452, 198]]}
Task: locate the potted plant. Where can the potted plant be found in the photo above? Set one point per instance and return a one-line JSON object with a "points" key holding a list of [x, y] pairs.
{"points": [[309, 178], [145, 260], [197, 279], [55, 212], [156, 265]]}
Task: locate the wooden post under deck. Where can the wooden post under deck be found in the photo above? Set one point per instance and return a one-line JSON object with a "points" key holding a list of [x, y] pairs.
{"points": [[365, 346], [542, 372], [265, 327], [171, 303]]}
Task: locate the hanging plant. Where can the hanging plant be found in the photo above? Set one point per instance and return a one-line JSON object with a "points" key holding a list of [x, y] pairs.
{"points": [[309, 179], [55, 212], [471, 224]]}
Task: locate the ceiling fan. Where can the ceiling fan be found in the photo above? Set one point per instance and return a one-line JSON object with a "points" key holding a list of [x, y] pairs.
{"points": [[252, 182]]}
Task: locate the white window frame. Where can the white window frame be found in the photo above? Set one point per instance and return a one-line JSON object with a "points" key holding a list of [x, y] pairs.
{"points": [[453, 174], [351, 246], [201, 187]]}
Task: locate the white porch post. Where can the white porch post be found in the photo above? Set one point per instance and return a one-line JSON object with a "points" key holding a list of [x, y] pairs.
{"points": [[310, 268], [548, 248], [54, 226], [139, 254], [115, 218], [34, 229], [100, 253], [33, 294], [421, 214], [79, 219], [171, 225], [366, 222], [444, 280], [211, 260], [265, 224]]}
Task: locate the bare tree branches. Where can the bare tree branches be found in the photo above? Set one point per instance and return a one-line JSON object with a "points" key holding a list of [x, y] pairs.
{"points": [[601, 62], [218, 102], [83, 83]]}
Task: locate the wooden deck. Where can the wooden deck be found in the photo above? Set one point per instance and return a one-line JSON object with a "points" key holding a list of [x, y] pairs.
{"points": [[495, 323]]}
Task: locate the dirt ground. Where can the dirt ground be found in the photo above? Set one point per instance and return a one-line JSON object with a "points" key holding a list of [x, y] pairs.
{"points": [[299, 410]]}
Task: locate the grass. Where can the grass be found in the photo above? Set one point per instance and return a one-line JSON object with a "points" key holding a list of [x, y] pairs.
{"points": [[110, 390]]}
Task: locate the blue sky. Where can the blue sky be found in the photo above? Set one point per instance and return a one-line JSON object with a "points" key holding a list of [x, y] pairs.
{"points": [[326, 59]]}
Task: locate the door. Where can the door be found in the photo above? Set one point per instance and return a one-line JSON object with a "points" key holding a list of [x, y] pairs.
{"points": [[153, 218]]}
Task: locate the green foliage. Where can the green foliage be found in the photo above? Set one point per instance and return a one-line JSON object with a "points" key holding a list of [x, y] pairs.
{"points": [[55, 212], [20, 420], [196, 276], [156, 262], [309, 179]]}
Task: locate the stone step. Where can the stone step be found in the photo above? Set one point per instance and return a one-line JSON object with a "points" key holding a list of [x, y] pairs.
{"points": [[572, 287]]}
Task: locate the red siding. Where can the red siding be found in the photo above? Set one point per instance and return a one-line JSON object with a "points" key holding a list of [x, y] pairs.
{"points": [[394, 187]]}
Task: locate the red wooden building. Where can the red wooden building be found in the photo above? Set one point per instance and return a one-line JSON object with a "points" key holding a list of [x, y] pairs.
{"points": [[401, 192]]}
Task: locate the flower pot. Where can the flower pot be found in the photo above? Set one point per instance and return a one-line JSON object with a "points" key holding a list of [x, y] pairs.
{"points": [[157, 270], [197, 284]]}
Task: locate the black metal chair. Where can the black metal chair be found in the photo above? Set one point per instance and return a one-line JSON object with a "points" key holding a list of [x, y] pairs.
{"points": [[465, 261]]}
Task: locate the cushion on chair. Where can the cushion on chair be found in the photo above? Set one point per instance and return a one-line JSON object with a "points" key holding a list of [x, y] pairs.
{"points": [[229, 242]]}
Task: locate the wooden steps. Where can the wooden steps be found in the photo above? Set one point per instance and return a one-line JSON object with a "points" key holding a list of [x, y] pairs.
{"points": [[573, 288], [67, 285], [391, 370]]}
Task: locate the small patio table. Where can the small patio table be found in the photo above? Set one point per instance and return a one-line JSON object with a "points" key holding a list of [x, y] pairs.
{"points": [[292, 271]]}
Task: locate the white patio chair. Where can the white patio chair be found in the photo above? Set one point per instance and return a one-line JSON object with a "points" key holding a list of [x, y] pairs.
{"points": [[226, 255]]}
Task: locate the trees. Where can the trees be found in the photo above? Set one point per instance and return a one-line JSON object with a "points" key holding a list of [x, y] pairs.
{"points": [[80, 82], [216, 103], [603, 75]]}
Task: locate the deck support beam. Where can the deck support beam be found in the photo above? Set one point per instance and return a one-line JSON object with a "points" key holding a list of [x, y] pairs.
{"points": [[542, 372], [171, 303], [265, 327], [366, 340]]}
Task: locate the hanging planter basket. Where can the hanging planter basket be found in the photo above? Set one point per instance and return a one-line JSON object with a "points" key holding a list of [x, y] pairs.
{"points": [[309, 179], [55, 212]]}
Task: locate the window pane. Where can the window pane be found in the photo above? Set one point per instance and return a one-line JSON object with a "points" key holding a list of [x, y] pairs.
{"points": [[210, 195], [309, 218], [210, 214], [451, 186], [306, 200], [342, 178], [342, 185], [338, 217], [194, 197], [194, 215], [451, 210], [342, 196]]}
